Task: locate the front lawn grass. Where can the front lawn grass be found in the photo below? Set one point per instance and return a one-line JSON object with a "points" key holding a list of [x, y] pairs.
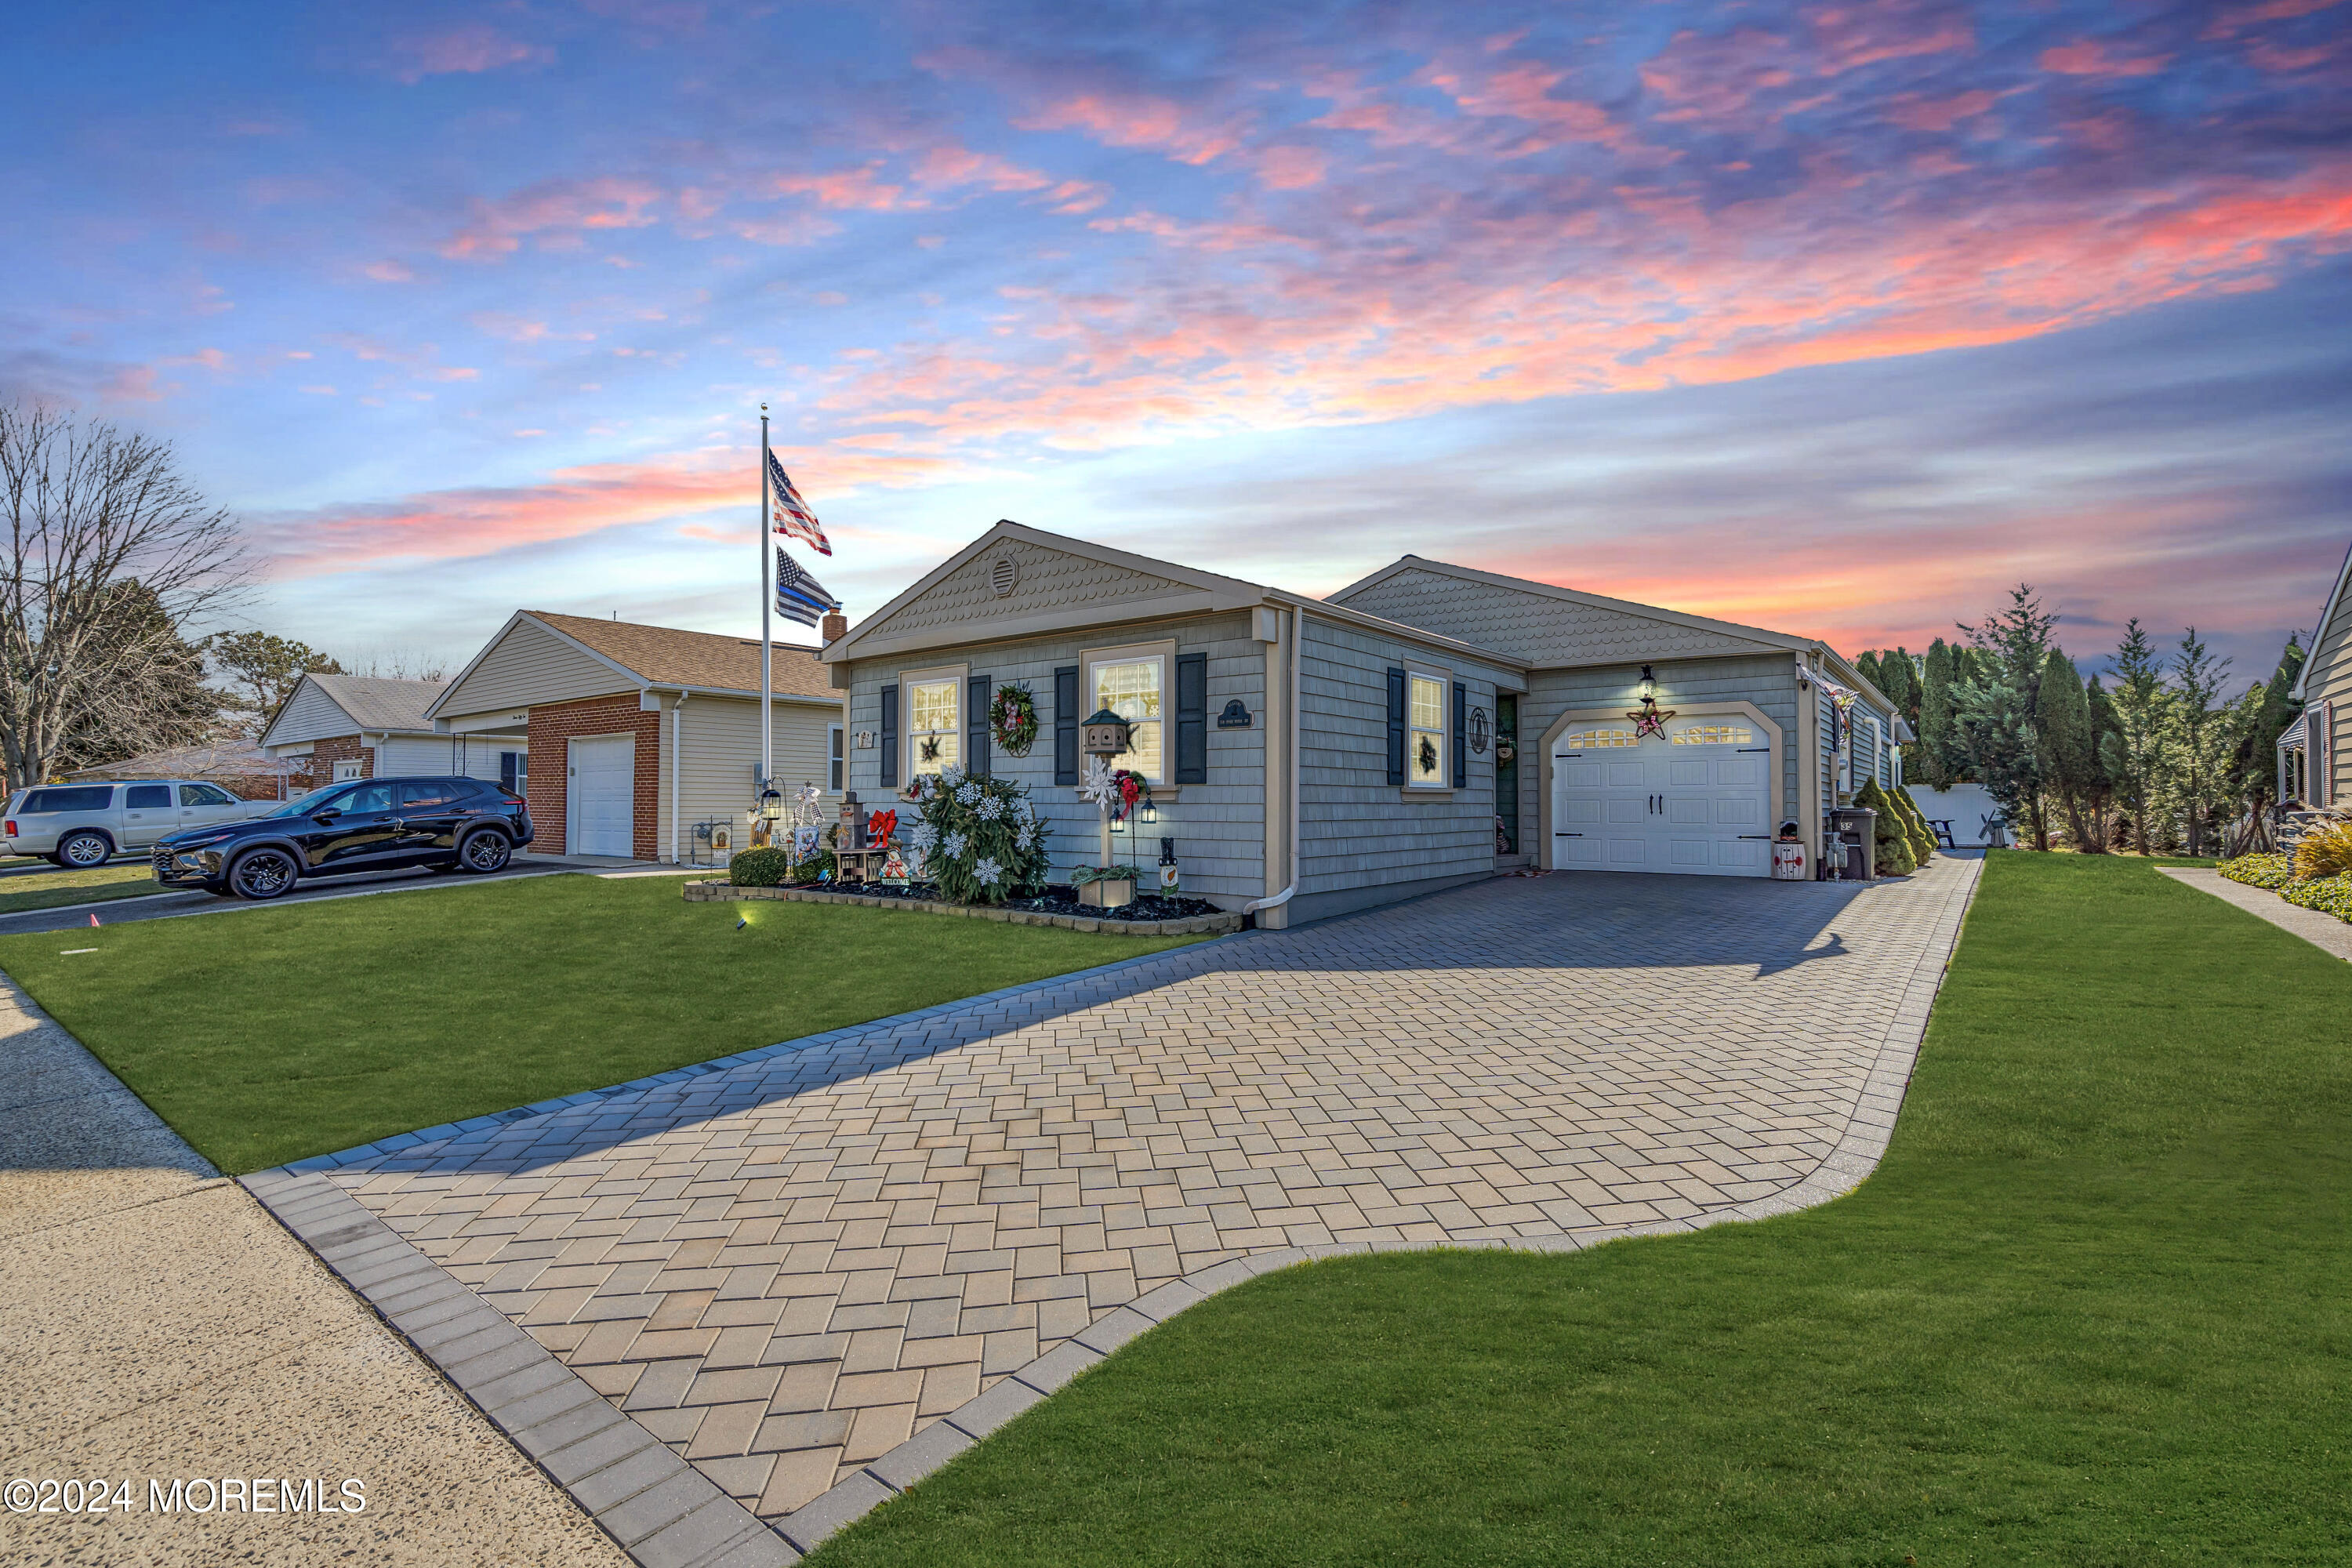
{"points": [[2092, 1308], [264, 1036], [52, 889]]}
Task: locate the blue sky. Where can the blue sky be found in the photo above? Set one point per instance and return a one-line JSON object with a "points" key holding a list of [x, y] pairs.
{"points": [[1834, 318]]}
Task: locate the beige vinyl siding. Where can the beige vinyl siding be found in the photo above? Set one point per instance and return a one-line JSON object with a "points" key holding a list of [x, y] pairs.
{"points": [[721, 754], [1219, 826], [399, 755], [529, 666], [1768, 680], [309, 715], [1358, 830], [2330, 681], [476, 756]]}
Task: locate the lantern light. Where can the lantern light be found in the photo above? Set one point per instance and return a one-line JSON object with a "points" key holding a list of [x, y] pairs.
{"points": [[1649, 685], [1150, 814], [772, 804]]}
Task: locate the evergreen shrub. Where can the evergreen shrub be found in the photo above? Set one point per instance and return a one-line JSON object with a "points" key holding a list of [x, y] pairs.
{"points": [[1892, 840], [762, 867], [2328, 895], [1922, 837], [2272, 871]]}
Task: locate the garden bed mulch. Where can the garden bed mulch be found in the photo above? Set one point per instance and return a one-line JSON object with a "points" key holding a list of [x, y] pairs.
{"points": [[1148, 916]]}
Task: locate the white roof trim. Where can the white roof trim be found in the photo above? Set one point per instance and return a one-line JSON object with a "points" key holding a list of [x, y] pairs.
{"points": [[1223, 587], [2319, 632], [1577, 596]]}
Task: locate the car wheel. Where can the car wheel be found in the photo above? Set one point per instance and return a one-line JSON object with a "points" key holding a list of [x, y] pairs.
{"points": [[486, 851], [262, 874], [80, 851]]}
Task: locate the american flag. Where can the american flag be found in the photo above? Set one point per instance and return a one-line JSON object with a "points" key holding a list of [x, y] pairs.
{"points": [[794, 518], [799, 597]]}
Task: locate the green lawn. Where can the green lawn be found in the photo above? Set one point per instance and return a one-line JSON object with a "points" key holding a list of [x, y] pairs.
{"points": [[50, 890], [2091, 1309], [267, 1035]]}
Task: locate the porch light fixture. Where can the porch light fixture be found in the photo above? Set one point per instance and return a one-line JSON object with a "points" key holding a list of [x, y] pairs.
{"points": [[772, 804], [1649, 685], [1647, 718], [1150, 814]]}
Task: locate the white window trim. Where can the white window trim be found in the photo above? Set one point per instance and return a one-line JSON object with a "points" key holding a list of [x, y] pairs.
{"points": [[1136, 653], [1444, 678], [960, 674], [837, 760]]}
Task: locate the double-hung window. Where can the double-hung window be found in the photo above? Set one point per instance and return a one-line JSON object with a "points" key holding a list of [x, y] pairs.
{"points": [[934, 722], [1424, 747], [1132, 682], [834, 761]]}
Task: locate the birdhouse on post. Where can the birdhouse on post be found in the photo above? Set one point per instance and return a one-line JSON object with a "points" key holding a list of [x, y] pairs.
{"points": [[1104, 735]]}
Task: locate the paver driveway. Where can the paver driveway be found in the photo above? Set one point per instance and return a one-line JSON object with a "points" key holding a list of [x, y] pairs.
{"points": [[785, 1268]]}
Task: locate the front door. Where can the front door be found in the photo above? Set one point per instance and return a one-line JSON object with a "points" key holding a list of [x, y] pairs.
{"points": [[1690, 801], [604, 795]]}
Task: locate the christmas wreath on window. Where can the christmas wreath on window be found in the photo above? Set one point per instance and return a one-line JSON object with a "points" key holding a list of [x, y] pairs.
{"points": [[1013, 721], [1428, 755]]}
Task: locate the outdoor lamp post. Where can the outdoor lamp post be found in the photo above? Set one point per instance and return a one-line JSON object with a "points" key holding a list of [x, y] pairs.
{"points": [[1105, 736], [770, 808]]}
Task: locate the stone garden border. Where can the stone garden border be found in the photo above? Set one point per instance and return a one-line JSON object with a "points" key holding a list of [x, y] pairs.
{"points": [[709, 891]]}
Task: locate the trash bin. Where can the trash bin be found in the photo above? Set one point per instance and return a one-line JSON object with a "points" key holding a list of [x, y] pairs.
{"points": [[1850, 852]]}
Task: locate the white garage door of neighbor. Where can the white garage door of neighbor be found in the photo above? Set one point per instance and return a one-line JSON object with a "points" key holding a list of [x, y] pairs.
{"points": [[1691, 800], [604, 795]]}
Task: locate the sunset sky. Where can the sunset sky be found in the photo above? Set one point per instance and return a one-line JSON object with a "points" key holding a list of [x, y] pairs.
{"points": [[1834, 318]]}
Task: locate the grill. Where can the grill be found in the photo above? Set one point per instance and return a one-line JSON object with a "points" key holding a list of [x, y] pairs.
{"points": [[163, 862]]}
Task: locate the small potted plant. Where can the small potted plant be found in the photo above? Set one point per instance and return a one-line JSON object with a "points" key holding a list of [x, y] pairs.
{"points": [[1104, 887]]}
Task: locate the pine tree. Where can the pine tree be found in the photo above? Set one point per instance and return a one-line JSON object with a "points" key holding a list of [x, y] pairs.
{"points": [[1939, 743], [2104, 732], [1897, 680], [2135, 757], [2062, 723], [1994, 710], [2254, 777], [1867, 668], [2198, 745]]}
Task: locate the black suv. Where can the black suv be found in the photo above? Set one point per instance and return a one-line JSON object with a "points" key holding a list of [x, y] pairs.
{"points": [[376, 825]]}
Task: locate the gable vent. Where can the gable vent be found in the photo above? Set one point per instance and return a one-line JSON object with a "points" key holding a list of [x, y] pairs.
{"points": [[1003, 575]]}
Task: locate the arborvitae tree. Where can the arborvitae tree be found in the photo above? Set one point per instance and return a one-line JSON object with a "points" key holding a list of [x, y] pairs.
{"points": [[1896, 678], [2254, 777], [2105, 739], [2199, 745], [1892, 853], [2062, 725], [1995, 709], [1867, 667], [1939, 751], [1922, 837], [2135, 758]]}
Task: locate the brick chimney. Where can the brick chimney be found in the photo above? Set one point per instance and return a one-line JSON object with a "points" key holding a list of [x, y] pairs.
{"points": [[835, 627]]}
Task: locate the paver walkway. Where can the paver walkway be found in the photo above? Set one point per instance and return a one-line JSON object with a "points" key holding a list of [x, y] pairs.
{"points": [[785, 1268], [159, 1325]]}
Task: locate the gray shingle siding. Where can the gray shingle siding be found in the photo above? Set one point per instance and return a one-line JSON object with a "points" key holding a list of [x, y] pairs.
{"points": [[1535, 628], [1219, 826], [1359, 830]]}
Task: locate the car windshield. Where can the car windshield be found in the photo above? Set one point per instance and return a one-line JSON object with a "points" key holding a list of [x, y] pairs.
{"points": [[304, 804]]}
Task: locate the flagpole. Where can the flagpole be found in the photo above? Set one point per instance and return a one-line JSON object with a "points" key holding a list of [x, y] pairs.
{"points": [[766, 607]]}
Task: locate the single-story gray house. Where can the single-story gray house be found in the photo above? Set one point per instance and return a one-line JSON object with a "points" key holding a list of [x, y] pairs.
{"points": [[1427, 726], [335, 728]]}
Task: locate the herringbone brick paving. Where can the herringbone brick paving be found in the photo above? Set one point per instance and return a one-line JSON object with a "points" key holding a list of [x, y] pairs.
{"points": [[785, 1268]]}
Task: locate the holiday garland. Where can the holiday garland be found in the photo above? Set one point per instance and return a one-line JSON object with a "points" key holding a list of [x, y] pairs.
{"points": [[1013, 721]]}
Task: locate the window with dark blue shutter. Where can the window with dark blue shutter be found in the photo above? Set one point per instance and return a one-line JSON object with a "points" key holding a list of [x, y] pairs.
{"points": [[977, 693], [890, 737], [1193, 718], [1461, 740], [1396, 726], [1066, 724]]}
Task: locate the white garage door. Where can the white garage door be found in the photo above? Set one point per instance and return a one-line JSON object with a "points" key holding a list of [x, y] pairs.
{"points": [[604, 795], [1691, 800]]}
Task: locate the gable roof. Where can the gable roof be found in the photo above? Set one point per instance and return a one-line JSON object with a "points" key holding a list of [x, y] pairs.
{"points": [[647, 656], [371, 703], [2319, 631], [1580, 598]]}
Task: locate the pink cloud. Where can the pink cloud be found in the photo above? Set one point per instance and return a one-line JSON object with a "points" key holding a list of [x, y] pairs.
{"points": [[2090, 56], [1137, 119], [389, 272], [553, 209], [468, 50], [1914, 112]]}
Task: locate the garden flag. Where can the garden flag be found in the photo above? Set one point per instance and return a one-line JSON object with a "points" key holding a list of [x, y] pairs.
{"points": [[799, 597], [794, 518]]}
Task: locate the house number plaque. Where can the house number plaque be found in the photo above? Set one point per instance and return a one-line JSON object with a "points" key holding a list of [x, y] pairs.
{"points": [[1236, 716]]}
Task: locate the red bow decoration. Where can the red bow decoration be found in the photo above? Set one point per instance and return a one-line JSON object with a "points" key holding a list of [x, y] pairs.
{"points": [[878, 828]]}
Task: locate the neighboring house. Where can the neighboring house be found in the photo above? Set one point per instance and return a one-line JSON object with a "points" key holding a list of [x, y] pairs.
{"points": [[646, 739], [238, 766], [2314, 759], [334, 728], [1333, 754]]}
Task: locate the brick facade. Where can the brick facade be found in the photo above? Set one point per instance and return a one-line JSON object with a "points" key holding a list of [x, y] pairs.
{"points": [[316, 771], [552, 727]]}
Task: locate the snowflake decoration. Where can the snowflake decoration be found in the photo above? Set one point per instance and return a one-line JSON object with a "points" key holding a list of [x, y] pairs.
{"points": [[1100, 783], [950, 776], [988, 870], [1025, 834], [922, 836], [954, 844], [989, 808], [966, 793]]}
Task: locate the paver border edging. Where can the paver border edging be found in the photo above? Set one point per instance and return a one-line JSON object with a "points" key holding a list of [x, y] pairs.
{"points": [[1844, 1168], [657, 1508], [709, 891]]}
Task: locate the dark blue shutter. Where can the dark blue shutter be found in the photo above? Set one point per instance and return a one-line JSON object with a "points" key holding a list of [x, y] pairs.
{"points": [[1396, 726], [1192, 719], [977, 693], [1461, 739], [890, 737], [1066, 724]]}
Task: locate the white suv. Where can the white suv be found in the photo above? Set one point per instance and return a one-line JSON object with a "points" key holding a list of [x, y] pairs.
{"points": [[88, 823]]}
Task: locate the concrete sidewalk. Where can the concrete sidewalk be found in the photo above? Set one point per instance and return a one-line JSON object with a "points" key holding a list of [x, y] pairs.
{"points": [[160, 1325], [2324, 933]]}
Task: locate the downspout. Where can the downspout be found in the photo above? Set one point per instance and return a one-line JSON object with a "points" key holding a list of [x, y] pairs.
{"points": [[676, 775], [1297, 661]]}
